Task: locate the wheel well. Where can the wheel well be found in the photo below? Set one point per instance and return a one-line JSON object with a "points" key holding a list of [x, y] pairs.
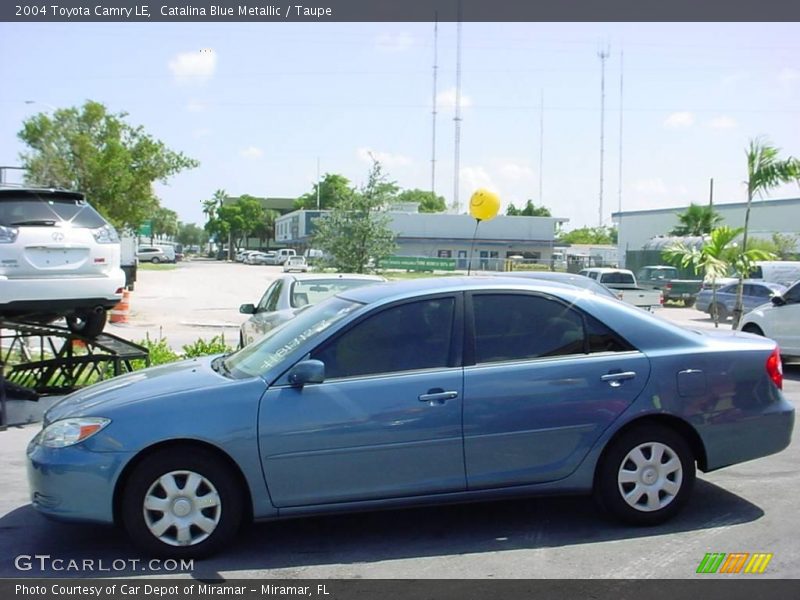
{"points": [[174, 444], [686, 431], [752, 328]]}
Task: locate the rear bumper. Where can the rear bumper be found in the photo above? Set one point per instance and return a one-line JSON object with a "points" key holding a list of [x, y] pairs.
{"points": [[60, 295]]}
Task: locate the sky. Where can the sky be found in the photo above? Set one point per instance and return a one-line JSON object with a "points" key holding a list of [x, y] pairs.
{"points": [[260, 105]]}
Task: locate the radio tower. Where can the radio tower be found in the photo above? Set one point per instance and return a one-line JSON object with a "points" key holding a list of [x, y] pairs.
{"points": [[435, 72], [457, 118], [602, 55]]}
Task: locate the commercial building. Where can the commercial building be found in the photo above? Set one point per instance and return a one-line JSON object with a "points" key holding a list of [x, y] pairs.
{"points": [[639, 228], [440, 235]]}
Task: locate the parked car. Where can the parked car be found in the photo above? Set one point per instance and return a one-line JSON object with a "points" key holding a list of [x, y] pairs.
{"points": [[419, 392], [624, 282], [249, 257], [665, 278], [58, 258], [283, 254], [265, 258], [291, 293], [156, 254], [779, 320], [755, 294], [784, 272], [576, 280], [295, 263]]}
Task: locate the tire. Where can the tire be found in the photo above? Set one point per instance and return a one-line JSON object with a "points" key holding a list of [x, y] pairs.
{"points": [[198, 476], [155, 260], [753, 328], [88, 323], [722, 312], [688, 302], [618, 475]]}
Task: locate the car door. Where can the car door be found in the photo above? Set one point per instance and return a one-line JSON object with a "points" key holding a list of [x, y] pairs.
{"points": [[262, 320], [542, 381], [385, 423]]}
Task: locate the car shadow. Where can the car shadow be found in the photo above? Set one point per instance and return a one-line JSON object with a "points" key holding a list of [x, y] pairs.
{"points": [[542, 522], [791, 371]]}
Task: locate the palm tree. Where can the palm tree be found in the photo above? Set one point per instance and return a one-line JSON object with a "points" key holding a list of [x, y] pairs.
{"points": [[697, 220], [712, 260], [765, 171]]}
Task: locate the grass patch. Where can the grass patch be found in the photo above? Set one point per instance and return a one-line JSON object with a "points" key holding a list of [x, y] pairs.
{"points": [[158, 267]]}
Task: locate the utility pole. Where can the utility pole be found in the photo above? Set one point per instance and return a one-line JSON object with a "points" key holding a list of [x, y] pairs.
{"points": [[602, 55], [541, 147], [318, 183], [619, 193]]}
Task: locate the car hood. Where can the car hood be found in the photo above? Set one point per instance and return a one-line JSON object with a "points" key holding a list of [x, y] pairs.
{"points": [[147, 384]]}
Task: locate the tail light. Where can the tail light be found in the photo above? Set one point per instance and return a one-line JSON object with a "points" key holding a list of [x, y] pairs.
{"points": [[775, 368], [668, 287]]}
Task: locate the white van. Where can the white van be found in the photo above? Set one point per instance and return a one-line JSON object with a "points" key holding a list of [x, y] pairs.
{"points": [[785, 272]]}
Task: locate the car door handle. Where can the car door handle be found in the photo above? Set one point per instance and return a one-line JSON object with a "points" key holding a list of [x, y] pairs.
{"points": [[438, 396], [616, 379]]}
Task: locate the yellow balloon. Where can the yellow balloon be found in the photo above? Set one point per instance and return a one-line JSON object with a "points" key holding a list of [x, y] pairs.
{"points": [[484, 205]]}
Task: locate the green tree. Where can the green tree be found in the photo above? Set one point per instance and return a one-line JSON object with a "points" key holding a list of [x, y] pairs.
{"points": [[165, 223], [697, 220], [428, 202], [189, 234], [714, 259], [98, 153], [589, 235], [530, 210], [265, 230], [333, 189], [357, 229], [765, 171]]}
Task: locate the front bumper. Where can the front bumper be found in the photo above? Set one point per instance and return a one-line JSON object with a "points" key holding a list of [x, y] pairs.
{"points": [[73, 483]]}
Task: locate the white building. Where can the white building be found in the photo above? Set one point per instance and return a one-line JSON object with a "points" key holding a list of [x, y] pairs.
{"points": [[638, 227], [440, 235]]}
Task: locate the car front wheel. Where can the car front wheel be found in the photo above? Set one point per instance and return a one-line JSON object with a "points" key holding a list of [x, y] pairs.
{"points": [[182, 503], [646, 475]]}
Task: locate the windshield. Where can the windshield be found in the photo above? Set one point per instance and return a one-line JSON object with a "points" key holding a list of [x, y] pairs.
{"points": [[272, 349], [316, 290], [47, 210]]}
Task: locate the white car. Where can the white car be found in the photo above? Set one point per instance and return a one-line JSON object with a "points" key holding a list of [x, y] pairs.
{"points": [[156, 254], [291, 293], [58, 258], [295, 263], [779, 320]]}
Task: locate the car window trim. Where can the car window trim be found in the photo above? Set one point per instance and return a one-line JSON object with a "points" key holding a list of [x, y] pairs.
{"points": [[557, 358]]}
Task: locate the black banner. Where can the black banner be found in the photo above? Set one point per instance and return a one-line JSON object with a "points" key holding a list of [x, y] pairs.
{"points": [[398, 10]]}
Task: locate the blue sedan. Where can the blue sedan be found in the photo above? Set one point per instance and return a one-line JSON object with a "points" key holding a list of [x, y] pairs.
{"points": [[754, 294], [420, 392]]}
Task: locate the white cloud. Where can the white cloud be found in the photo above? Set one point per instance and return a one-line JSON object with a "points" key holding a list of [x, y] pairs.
{"points": [[473, 178], [446, 99], [651, 187], [788, 75], [679, 119], [515, 171], [251, 152], [196, 66], [722, 122], [394, 42], [385, 158]]}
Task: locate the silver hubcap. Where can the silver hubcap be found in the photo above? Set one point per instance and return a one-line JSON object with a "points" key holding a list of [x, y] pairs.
{"points": [[182, 508], [650, 476]]}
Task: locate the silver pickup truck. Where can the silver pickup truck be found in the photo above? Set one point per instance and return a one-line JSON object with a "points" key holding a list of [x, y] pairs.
{"points": [[624, 283]]}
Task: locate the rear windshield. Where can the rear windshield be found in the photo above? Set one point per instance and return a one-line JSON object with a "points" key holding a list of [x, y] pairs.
{"points": [[24, 209], [617, 278]]}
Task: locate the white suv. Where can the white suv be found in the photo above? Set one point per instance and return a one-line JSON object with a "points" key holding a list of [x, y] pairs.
{"points": [[58, 258]]}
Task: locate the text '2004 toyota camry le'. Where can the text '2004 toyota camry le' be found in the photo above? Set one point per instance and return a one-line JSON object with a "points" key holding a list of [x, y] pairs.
{"points": [[421, 392]]}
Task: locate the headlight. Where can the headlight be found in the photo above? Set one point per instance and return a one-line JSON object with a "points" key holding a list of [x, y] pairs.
{"points": [[105, 235], [68, 432], [8, 235]]}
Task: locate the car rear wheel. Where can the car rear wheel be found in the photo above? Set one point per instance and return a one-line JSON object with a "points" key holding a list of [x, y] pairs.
{"points": [[155, 260], [182, 503], [88, 323], [722, 312], [688, 302], [646, 475]]}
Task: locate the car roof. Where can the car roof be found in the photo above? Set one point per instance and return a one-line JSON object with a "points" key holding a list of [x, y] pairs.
{"points": [[399, 290], [16, 192], [329, 276]]}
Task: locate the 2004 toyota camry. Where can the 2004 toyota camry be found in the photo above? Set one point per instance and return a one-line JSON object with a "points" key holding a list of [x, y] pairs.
{"points": [[433, 391]]}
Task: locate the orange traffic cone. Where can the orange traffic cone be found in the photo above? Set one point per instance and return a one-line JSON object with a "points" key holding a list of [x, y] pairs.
{"points": [[119, 314]]}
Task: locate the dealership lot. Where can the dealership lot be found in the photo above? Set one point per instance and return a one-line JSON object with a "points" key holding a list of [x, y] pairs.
{"points": [[747, 508]]}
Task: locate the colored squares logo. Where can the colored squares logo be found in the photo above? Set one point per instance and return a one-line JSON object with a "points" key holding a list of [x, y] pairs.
{"points": [[734, 563]]}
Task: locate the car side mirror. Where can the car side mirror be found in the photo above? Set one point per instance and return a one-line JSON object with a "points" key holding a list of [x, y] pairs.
{"points": [[307, 371], [778, 301], [247, 309]]}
